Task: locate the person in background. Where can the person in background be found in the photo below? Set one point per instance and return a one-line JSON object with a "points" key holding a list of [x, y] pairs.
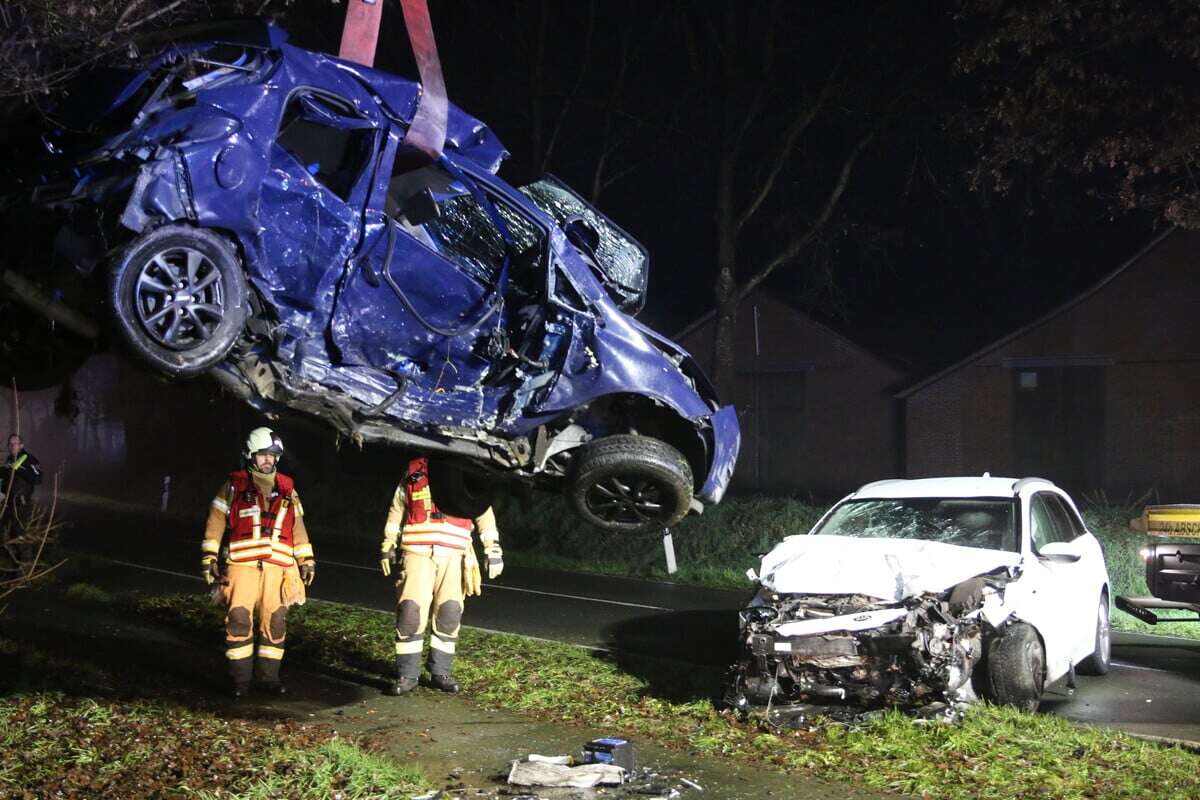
{"points": [[21, 474]]}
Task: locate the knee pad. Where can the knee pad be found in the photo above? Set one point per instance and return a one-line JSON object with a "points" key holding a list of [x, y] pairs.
{"points": [[277, 625], [237, 623], [408, 618], [448, 617]]}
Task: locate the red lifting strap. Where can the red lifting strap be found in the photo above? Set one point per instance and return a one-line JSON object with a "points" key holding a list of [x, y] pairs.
{"points": [[426, 136], [360, 33]]}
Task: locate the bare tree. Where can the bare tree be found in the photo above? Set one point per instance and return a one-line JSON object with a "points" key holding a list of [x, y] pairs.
{"points": [[767, 117], [45, 43]]}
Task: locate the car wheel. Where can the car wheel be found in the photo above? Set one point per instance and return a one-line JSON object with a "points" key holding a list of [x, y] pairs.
{"points": [[1016, 667], [1101, 658], [459, 492], [180, 298], [630, 484]]}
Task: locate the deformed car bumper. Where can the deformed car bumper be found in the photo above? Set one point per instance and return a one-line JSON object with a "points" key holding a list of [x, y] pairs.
{"points": [[727, 440]]}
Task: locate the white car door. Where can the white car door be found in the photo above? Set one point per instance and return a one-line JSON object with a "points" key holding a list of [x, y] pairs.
{"points": [[1090, 576], [1055, 580]]}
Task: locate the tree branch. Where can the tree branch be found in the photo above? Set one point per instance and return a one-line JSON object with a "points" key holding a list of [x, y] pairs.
{"points": [[799, 125], [797, 243], [565, 108]]}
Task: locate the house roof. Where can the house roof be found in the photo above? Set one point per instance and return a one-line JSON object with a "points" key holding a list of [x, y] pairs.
{"points": [[1067, 306], [705, 318]]}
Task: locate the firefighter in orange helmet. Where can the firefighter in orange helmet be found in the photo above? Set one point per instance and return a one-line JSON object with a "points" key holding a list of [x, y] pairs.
{"points": [[257, 514], [436, 572]]}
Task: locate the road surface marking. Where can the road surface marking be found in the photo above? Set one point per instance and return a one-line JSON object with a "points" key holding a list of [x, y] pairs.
{"points": [[1127, 665], [151, 569], [591, 647], [526, 591]]}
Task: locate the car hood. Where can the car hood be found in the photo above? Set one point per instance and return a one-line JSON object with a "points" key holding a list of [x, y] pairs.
{"points": [[889, 569]]}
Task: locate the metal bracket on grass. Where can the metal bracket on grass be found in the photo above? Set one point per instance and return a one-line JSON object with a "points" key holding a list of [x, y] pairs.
{"points": [[669, 551]]}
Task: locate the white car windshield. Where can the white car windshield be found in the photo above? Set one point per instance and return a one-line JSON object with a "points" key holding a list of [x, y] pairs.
{"points": [[986, 523]]}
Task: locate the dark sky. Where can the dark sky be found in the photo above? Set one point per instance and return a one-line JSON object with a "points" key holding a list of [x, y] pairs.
{"points": [[913, 265]]}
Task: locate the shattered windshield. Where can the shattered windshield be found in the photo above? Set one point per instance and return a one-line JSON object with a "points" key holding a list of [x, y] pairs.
{"points": [[622, 261], [968, 522]]}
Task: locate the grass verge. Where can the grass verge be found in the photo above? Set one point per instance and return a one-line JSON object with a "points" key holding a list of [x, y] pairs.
{"points": [[993, 753], [52, 745]]}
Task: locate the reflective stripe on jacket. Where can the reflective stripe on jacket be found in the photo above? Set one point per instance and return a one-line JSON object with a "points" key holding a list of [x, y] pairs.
{"points": [[260, 528], [423, 524]]}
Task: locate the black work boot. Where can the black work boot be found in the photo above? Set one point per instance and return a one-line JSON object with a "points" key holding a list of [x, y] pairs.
{"points": [[266, 677], [240, 690], [408, 667], [402, 685], [443, 683]]}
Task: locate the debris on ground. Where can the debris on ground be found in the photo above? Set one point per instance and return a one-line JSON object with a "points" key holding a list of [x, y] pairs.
{"points": [[620, 752], [584, 776], [812, 716]]}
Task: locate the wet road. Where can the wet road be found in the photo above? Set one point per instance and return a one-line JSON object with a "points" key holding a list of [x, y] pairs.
{"points": [[1153, 688]]}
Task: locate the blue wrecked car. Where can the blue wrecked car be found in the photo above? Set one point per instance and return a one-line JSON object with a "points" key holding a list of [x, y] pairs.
{"points": [[270, 228]]}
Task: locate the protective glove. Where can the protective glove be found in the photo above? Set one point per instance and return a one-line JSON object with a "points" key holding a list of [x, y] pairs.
{"points": [[472, 581], [209, 570], [308, 571], [386, 559], [495, 560]]}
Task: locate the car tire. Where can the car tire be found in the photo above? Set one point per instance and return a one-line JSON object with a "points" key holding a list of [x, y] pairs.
{"points": [[630, 484], [1016, 667], [180, 298], [1099, 662], [459, 492]]}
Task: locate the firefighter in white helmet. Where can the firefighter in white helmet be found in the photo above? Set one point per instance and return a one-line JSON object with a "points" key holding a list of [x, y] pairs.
{"points": [[258, 516], [436, 571]]}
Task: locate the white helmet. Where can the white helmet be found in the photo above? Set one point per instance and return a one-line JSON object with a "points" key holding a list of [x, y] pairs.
{"points": [[261, 439]]}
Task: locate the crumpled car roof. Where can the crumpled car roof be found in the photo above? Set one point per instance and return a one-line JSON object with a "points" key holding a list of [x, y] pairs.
{"points": [[467, 136], [889, 569]]}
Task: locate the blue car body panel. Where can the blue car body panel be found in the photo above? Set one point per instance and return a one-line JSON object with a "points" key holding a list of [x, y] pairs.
{"points": [[358, 297]]}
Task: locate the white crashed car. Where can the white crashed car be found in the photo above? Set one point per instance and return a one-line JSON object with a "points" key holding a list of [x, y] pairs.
{"points": [[940, 589]]}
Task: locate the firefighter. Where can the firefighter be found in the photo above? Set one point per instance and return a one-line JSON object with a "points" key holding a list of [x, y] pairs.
{"points": [[19, 476], [258, 516], [437, 569]]}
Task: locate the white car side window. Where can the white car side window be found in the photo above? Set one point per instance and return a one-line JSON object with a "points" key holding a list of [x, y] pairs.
{"points": [[1066, 522], [1041, 526]]}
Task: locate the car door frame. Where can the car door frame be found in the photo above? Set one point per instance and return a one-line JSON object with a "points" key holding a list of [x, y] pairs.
{"points": [[1092, 577], [1047, 603], [356, 201]]}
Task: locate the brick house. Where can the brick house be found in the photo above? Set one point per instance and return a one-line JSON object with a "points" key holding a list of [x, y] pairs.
{"points": [[817, 411], [1101, 393]]}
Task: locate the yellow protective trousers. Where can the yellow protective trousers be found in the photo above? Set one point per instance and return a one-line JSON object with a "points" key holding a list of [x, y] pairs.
{"points": [[255, 593], [431, 589]]}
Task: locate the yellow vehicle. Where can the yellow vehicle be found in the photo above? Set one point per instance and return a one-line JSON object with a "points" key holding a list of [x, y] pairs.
{"points": [[1172, 567]]}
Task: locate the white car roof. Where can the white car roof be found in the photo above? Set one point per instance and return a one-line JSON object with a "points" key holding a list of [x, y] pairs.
{"points": [[973, 486]]}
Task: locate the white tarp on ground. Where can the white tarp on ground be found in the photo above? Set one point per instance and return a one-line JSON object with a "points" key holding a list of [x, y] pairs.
{"points": [[584, 776], [890, 569]]}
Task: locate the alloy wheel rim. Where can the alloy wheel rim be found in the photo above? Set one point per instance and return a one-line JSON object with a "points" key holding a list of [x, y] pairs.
{"points": [[1104, 634], [627, 499], [179, 298]]}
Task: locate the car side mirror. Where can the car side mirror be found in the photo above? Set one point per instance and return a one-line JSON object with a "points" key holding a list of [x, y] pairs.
{"points": [[1058, 553], [421, 208]]}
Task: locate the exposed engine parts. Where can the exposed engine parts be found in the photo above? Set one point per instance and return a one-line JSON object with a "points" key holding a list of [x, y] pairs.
{"points": [[855, 649]]}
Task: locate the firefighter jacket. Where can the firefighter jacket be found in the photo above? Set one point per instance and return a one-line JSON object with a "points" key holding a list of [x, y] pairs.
{"points": [[20, 474], [414, 519], [263, 517]]}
